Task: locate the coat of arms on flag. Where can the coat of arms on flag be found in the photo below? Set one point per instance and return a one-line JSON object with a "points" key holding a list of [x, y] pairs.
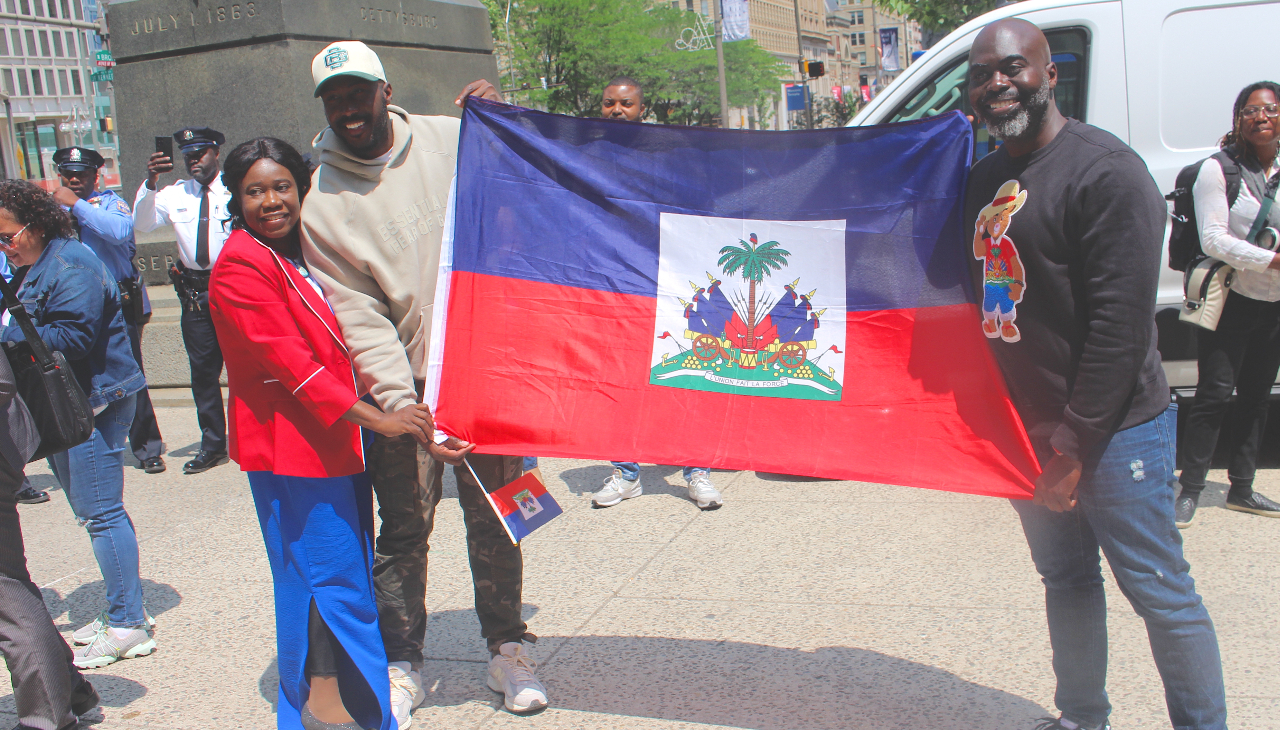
{"points": [[767, 317]]}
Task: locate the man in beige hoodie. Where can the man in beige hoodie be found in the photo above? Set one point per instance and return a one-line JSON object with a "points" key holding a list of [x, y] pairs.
{"points": [[372, 229]]}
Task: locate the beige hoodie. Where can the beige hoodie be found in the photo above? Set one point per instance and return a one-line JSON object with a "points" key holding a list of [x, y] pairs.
{"points": [[371, 233]]}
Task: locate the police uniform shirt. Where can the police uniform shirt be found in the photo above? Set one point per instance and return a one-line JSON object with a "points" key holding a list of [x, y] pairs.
{"points": [[106, 227], [178, 205]]}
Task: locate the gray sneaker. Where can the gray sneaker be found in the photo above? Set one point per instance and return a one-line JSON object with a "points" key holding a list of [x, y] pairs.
{"points": [[616, 489], [107, 649], [84, 635], [702, 493]]}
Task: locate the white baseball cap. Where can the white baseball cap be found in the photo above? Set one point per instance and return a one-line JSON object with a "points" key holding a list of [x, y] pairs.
{"points": [[346, 58]]}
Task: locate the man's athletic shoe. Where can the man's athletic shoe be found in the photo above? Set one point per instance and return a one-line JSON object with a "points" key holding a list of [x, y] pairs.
{"points": [[702, 493], [107, 649], [1254, 504], [511, 672], [205, 461], [616, 489], [1184, 510], [406, 692], [154, 465], [1061, 723], [31, 495], [85, 634]]}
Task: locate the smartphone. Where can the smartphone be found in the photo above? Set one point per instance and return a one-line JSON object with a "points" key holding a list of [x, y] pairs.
{"points": [[165, 145]]}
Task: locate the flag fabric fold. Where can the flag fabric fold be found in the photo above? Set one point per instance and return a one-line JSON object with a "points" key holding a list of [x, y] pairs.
{"points": [[797, 303]]}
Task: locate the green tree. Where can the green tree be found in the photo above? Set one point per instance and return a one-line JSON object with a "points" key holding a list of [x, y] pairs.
{"points": [[579, 45], [755, 261], [939, 15]]}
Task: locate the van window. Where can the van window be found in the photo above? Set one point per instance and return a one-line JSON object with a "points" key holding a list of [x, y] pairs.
{"points": [[948, 90]]}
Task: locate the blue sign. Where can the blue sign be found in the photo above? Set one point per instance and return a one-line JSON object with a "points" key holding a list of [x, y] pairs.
{"points": [[796, 97]]}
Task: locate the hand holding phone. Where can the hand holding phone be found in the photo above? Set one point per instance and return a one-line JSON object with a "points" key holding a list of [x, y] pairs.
{"points": [[161, 161]]}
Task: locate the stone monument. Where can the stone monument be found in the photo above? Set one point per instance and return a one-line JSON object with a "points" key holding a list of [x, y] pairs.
{"points": [[244, 68]]}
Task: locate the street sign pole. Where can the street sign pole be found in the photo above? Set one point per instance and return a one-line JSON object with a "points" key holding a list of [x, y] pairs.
{"points": [[719, 34]]}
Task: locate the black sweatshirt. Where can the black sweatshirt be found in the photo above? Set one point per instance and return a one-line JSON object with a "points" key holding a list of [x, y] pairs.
{"points": [[1089, 237]]}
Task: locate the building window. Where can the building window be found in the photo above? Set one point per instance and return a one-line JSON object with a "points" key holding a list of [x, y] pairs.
{"points": [[857, 17], [53, 8], [76, 88], [862, 59], [50, 86], [57, 44], [858, 39], [84, 50], [38, 6], [44, 43], [8, 82], [17, 42], [66, 9], [37, 86], [26, 6], [4, 44], [71, 44], [63, 88], [75, 7], [10, 6], [31, 42], [23, 89]]}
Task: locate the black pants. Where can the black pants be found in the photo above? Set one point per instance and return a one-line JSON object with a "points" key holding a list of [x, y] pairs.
{"points": [[1244, 355], [45, 681], [144, 435], [205, 357]]}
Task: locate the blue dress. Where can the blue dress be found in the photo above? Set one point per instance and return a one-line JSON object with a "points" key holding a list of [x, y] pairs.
{"points": [[319, 537]]}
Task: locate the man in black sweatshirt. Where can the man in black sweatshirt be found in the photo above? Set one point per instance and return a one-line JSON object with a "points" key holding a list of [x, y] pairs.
{"points": [[1068, 229]]}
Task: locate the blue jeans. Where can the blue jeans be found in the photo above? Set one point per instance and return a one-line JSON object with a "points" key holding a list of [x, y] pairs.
{"points": [[631, 470], [92, 475], [1125, 507]]}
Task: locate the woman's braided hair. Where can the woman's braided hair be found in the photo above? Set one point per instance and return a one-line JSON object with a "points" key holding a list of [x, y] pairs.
{"points": [[1235, 138], [32, 206]]}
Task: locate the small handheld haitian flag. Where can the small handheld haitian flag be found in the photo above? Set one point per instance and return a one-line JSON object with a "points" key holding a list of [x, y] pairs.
{"points": [[524, 505]]}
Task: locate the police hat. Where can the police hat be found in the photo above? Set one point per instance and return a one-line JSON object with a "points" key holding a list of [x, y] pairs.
{"points": [[196, 138], [77, 159]]}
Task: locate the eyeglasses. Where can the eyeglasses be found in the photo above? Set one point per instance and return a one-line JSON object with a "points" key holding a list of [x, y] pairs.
{"points": [[1270, 110], [7, 241]]}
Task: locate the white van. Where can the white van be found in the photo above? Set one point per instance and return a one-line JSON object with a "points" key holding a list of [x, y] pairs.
{"points": [[1159, 74]]}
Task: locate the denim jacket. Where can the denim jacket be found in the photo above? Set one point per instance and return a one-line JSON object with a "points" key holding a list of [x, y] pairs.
{"points": [[75, 307]]}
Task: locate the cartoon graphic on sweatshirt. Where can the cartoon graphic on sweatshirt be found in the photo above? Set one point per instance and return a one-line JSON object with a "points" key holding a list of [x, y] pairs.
{"points": [[1002, 274]]}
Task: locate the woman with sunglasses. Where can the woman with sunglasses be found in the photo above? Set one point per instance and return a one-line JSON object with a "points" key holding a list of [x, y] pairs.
{"points": [[1243, 353], [295, 416], [75, 307]]}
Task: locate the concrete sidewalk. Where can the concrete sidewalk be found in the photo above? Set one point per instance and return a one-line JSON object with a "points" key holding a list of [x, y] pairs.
{"points": [[801, 604]]}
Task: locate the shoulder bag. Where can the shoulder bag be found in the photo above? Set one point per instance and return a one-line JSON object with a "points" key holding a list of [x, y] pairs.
{"points": [[1207, 280], [57, 404]]}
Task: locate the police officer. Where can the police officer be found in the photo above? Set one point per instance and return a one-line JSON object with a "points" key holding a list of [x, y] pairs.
{"points": [[106, 226], [197, 210]]}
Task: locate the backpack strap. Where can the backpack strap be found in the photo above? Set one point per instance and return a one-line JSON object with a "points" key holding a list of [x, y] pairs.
{"points": [[1231, 174]]}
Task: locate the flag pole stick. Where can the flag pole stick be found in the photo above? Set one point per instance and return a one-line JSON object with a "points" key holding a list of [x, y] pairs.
{"points": [[492, 504]]}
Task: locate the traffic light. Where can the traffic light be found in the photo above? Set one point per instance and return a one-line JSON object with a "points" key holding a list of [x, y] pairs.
{"points": [[816, 69], [106, 124]]}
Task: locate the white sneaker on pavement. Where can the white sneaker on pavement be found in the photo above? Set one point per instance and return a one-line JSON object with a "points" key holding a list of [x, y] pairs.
{"points": [[84, 635], [406, 692], [511, 672], [107, 649], [616, 489], [702, 493]]}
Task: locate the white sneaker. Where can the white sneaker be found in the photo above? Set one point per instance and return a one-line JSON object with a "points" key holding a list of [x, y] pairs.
{"points": [[702, 493], [107, 649], [406, 692], [84, 635], [511, 672], [616, 489]]}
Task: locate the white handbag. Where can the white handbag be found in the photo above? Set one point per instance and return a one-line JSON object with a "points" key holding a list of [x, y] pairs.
{"points": [[1205, 289]]}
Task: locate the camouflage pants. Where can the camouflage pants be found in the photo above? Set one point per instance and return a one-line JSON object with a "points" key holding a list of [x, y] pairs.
{"points": [[408, 484]]}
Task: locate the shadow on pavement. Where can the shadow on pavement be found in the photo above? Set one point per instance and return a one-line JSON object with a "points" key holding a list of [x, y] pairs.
{"points": [[729, 683], [656, 479], [189, 450], [84, 603]]}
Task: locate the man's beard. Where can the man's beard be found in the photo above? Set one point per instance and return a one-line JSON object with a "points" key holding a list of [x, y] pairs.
{"points": [[1030, 115]]}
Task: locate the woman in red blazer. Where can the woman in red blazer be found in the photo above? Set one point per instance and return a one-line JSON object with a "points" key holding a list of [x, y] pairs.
{"points": [[295, 417]]}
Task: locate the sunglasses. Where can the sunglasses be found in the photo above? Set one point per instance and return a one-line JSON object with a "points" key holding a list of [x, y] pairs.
{"points": [[7, 241], [1269, 110]]}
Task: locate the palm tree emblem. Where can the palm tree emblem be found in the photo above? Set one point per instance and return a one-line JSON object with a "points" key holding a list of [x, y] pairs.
{"points": [[755, 261]]}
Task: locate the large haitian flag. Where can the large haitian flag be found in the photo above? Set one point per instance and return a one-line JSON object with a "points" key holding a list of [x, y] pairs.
{"points": [[794, 302]]}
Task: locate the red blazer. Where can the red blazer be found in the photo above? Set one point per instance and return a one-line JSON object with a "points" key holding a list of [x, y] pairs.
{"points": [[288, 369]]}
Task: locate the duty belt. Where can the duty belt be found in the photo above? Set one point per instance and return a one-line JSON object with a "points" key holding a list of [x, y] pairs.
{"points": [[190, 284]]}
